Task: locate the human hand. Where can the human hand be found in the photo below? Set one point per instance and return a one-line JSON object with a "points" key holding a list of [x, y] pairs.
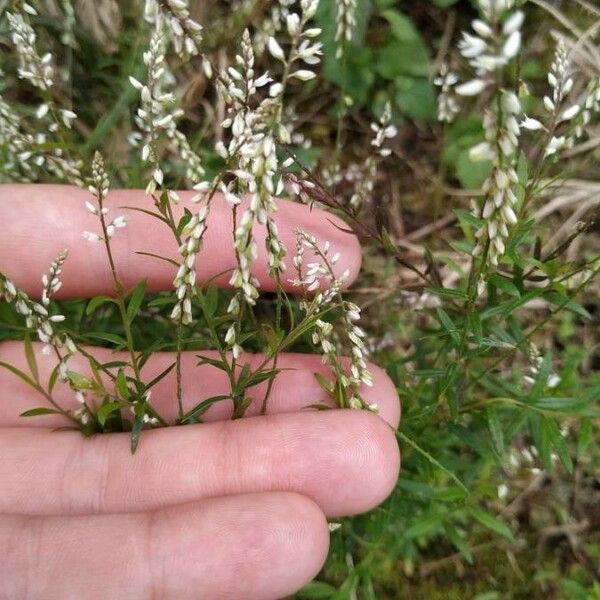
{"points": [[225, 509]]}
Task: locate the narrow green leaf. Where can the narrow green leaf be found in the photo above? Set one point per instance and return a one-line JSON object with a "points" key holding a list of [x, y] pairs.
{"points": [[135, 302], [202, 407], [448, 324], [20, 375], [584, 438], [96, 302], [109, 337], [423, 525], [459, 543], [495, 428], [559, 443], [31, 361], [432, 460], [34, 412], [136, 430], [160, 376], [492, 523]]}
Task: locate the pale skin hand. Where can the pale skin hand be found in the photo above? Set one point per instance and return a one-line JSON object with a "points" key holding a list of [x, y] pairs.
{"points": [[227, 509]]}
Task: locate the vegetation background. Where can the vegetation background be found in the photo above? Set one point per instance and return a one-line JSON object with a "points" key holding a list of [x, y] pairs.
{"points": [[499, 495]]}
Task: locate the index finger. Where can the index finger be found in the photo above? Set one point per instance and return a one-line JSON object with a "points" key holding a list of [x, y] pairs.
{"points": [[39, 221]]}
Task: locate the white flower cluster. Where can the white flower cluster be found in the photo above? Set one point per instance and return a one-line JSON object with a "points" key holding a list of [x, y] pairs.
{"points": [[253, 161], [489, 50], [99, 189], [185, 280], [561, 112], [502, 141], [34, 68], [382, 131], [185, 33], [32, 151], [17, 147], [158, 114], [51, 281], [37, 317], [495, 42], [310, 278], [535, 363], [448, 106], [345, 23]]}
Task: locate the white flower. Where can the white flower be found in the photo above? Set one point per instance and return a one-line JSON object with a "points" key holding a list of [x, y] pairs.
{"points": [[514, 22], [531, 124], [275, 49], [471, 88], [570, 113], [481, 152], [91, 237], [512, 45], [303, 75]]}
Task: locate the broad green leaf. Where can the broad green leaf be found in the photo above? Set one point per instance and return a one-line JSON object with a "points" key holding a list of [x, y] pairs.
{"points": [[415, 98], [105, 410], [121, 383]]}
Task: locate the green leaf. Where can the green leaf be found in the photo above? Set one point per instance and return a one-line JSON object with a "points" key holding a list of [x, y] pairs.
{"points": [[495, 428], [135, 302], [160, 376], [53, 378], [423, 525], [447, 293], [459, 543], [30, 355], [108, 337], [79, 381], [105, 410], [95, 302], [415, 98], [20, 375], [559, 443], [432, 460], [492, 523], [448, 324], [316, 590], [121, 383], [584, 438], [195, 412], [34, 412], [136, 430], [472, 174], [505, 284]]}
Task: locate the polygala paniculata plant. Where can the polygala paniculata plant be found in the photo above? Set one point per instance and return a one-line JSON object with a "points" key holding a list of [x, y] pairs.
{"points": [[477, 380]]}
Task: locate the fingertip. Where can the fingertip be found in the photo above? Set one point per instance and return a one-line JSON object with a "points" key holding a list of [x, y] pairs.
{"points": [[373, 459], [308, 535]]}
